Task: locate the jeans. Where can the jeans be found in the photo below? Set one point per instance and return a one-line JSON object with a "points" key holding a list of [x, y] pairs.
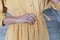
{"points": [[53, 25]]}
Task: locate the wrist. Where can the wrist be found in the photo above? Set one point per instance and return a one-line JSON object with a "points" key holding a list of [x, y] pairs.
{"points": [[17, 20]]}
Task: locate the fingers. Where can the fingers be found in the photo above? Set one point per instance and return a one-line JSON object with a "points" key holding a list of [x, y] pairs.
{"points": [[30, 18]]}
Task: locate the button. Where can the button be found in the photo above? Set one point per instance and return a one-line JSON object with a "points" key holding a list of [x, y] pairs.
{"points": [[30, 3]]}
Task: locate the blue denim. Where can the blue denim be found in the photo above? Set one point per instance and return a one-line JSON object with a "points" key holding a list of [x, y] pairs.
{"points": [[53, 25]]}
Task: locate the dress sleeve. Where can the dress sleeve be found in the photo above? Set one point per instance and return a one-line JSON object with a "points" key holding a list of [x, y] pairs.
{"points": [[2, 16]]}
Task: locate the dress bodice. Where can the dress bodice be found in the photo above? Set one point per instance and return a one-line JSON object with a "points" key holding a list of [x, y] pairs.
{"points": [[21, 7]]}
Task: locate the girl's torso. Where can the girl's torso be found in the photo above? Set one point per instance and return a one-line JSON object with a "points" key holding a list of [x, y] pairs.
{"points": [[21, 7]]}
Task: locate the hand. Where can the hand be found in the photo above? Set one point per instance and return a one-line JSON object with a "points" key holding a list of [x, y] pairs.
{"points": [[55, 1], [27, 18]]}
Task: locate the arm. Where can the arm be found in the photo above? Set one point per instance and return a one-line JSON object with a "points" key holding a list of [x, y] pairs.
{"points": [[27, 18], [10, 20]]}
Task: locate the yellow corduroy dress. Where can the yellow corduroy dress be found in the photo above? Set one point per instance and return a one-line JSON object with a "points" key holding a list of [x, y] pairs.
{"points": [[25, 31]]}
